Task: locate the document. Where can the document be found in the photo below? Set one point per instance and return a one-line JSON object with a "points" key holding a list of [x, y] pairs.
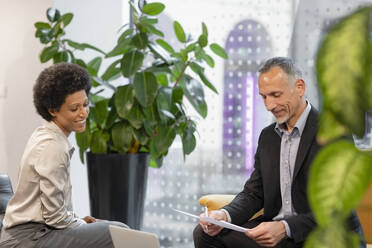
{"points": [[216, 222]]}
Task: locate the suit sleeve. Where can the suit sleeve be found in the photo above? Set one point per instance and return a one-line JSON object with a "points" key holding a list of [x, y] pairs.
{"points": [[301, 225], [250, 200]]}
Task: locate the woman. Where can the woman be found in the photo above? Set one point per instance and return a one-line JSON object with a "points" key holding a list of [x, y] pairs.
{"points": [[40, 213]]}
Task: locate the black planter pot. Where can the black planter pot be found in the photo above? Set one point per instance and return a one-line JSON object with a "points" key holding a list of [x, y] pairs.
{"points": [[117, 186]]}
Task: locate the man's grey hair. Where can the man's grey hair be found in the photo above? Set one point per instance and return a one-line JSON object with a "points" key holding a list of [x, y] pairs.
{"points": [[286, 64]]}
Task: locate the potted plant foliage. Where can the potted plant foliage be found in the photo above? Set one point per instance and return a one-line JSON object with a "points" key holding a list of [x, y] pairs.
{"points": [[341, 173], [140, 120]]}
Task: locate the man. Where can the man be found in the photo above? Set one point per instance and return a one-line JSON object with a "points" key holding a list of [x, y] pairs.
{"points": [[278, 183]]}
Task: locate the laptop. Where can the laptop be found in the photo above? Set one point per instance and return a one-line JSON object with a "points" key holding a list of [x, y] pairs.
{"points": [[125, 238]]}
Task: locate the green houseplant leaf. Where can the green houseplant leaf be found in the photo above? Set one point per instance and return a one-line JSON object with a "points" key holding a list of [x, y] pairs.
{"points": [[131, 62], [53, 14], [122, 136], [333, 57], [218, 50], [339, 177], [153, 8], [194, 92], [180, 33], [124, 100], [145, 87]]}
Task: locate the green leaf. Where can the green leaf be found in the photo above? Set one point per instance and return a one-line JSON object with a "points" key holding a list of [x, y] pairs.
{"points": [[47, 53], [160, 53], [124, 35], [153, 8], [61, 57], [204, 29], [206, 82], [94, 65], [151, 113], [163, 140], [83, 46], [193, 91], [140, 40], [124, 100], [135, 116], [101, 108], [329, 127], [112, 72], [83, 140], [146, 87], [156, 162], [165, 45], [146, 20], [81, 63], [151, 29], [339, 176], [131, 62], [196, 67], [203, 40], [218, 50], [42, 25], [149, 127], [164, 102], [341, 67], [98, 142], [188, 138], [162, 79], [177, 94], [111, 118], [334, 235], [122, 136], [86, 45], [141, 136], [121, 48], [208, 59], [180, 33], [67, 18], [53, 14], [367, 84]]}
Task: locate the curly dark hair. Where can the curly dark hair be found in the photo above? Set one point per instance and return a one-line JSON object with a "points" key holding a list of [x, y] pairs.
{"points": [[55, 83]]}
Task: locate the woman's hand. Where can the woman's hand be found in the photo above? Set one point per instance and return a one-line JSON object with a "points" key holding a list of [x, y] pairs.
{"points": [[89, 219]]}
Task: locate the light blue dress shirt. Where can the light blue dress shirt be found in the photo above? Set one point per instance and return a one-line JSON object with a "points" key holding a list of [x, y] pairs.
{"points": [[288, 153]]}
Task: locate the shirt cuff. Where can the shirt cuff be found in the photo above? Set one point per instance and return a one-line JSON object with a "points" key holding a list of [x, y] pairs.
{"points": [[227, 215], [287, 229]]}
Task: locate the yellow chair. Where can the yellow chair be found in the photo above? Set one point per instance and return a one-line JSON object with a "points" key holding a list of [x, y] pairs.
{"points": [[215, 201]]}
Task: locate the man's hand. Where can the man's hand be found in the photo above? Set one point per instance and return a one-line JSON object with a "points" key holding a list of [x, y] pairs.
{"points": [[211, 229], [89, 219], [267, 234]]}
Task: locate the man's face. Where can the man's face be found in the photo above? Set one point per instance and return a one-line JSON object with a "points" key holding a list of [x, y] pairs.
{"points": [[280, 98]]}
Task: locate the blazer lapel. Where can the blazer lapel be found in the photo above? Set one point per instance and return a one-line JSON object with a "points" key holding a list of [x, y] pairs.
{"points": [[307, 138]]}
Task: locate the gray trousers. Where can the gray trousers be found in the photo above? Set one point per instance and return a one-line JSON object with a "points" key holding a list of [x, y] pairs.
{"points": [[35, 235]]}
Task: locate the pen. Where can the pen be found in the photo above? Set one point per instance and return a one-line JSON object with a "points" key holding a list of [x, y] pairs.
{"points": [[206, 215]]}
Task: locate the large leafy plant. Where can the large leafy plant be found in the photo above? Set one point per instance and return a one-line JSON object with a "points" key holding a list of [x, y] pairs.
{"points": [[147, 107], [340, 174]]}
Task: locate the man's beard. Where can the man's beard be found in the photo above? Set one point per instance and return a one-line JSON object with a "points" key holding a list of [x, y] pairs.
{"points": [[282, 120]]}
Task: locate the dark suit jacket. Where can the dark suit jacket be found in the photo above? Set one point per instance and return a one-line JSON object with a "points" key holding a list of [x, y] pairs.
{"points": [[262, 190]]}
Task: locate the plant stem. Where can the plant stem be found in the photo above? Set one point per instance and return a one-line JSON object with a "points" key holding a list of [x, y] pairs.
{"points": [[183, 72]]}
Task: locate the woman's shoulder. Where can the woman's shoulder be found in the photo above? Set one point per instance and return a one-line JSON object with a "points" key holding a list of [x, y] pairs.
{"points": [[43, 140]]}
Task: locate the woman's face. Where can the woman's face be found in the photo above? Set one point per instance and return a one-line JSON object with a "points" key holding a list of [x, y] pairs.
{"points": [[73, 113]]}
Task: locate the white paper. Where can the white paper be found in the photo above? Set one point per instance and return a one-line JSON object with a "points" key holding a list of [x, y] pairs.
{"points": [[216, 222]]}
